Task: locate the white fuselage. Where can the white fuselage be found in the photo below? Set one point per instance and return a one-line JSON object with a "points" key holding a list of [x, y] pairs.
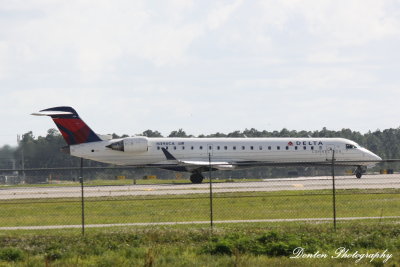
{"points": [[273, 150]]}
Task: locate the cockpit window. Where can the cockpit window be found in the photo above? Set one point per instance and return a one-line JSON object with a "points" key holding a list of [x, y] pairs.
{"points": [[348, 146]]}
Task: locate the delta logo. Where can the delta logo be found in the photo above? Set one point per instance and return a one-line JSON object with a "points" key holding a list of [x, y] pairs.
{"points": [[311, 143]]}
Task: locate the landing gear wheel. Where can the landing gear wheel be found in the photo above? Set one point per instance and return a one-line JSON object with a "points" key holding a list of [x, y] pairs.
{"points": [[359, 172], [196, 178]]}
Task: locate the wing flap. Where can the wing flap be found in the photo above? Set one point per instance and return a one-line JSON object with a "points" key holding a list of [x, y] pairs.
{"points": [[202, 163], [220, 165]]}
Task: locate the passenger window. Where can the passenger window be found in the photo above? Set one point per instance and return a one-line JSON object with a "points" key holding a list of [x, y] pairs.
{"points": [[158, 148], [251, 147], [304, 147], [166, 148], [174, 147], [218, 147], [278, 147], [183, 148], [192, 148], [201, 147], [243, 147], [269, 148], [260, 147], [312, 148], [234, 147], [210, 148], [287, 148], [295, 148], [225, 147]]}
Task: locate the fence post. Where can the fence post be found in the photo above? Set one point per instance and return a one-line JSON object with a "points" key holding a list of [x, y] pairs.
{"points": [[333, 190], [82, 197], [211, 193]]}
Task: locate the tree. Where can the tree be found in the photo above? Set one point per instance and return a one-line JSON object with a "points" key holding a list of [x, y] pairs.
{"points": [[252, 133], [235, 134], [7, 159], [179, 133], [116, 136], [150, 133], [217, 134]]}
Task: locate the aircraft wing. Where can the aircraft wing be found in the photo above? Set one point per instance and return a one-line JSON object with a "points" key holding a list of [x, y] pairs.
{"points": [[220, 165], [225, 165], [199, 164]]}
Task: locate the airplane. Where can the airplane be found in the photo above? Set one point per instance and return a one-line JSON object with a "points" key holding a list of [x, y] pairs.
{"points": [[197, 155]]}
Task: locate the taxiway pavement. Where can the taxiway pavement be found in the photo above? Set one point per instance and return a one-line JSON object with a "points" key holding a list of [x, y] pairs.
{"points": [[282, 184]]}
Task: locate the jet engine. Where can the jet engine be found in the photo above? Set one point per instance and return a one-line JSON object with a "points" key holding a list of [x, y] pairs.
{"points": [[130, 144]]}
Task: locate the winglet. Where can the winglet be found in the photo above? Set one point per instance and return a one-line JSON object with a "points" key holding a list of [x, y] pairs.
{"points": [[167, 154]]}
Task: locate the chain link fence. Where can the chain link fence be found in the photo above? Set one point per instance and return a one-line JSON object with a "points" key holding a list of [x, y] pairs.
{"points": [[59, 199]]}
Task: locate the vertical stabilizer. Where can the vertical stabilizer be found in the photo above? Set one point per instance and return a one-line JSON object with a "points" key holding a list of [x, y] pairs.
{"points": [[72, 127]]}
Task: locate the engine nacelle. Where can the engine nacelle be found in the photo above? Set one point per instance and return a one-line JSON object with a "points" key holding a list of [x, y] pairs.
{"points": [[131, 144]]}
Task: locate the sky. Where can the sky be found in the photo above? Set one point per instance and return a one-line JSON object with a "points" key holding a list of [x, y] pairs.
{"points": [[204, 66]]}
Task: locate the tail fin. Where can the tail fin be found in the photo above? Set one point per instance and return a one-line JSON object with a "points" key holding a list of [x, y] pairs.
{"points": [[72, 127]]}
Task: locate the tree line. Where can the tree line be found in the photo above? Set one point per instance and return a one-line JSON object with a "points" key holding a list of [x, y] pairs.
{"points": [[44, 151]]}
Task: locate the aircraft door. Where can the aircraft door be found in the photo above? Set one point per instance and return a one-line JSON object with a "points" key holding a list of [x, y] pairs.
{"points": [[329, 151]]}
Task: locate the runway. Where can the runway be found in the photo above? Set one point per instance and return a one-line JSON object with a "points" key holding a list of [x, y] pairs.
{"points": [[283, 184]]}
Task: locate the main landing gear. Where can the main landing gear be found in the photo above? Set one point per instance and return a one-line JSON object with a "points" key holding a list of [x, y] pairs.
{"points": [[359, 172], [196, 178]]}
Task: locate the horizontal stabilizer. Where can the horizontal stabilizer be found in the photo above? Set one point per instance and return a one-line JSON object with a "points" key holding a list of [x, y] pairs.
{"points": [[51, 113]]}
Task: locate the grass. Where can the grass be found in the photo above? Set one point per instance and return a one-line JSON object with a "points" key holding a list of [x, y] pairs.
{"points": [[180, 208], [244, 244], [240, 245]]}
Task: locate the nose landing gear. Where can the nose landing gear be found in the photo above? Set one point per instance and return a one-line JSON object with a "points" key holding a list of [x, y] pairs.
{"points": [[359, 172]]}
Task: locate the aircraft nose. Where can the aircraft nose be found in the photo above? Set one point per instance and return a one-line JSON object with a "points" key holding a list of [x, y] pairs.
{"points": [[372, 156]]}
